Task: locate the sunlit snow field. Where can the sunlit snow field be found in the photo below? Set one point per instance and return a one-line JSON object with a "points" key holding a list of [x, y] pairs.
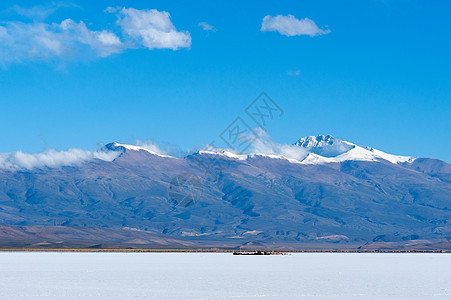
{"points": [[47, 275]]}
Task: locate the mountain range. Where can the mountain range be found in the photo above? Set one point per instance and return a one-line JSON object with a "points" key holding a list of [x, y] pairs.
{"points": [[330, 194]]}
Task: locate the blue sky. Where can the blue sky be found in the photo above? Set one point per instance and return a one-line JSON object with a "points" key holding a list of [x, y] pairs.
{"points": [[372, 72]]}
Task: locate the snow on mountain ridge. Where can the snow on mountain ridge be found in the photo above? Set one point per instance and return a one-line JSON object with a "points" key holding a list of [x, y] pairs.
{"points": [[124, 147], [225, 153], [229, 154]]}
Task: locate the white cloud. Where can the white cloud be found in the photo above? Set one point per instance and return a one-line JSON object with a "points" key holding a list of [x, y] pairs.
{"points": [[151, 28], [39, 41], [207, 27], [52, 158], [290, 26]]}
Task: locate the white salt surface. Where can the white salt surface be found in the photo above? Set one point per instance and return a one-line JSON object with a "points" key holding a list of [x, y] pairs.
{"points": [[44, 275]]}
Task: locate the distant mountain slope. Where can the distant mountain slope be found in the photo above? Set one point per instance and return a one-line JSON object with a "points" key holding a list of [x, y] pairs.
{"points": [[339, 193], [86, 237]]}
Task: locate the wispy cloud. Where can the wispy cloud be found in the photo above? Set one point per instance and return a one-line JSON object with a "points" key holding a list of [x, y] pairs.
{"points": [[151, 146], [207, 27], [52, 158], [40, 41], [40, 12], [290, 26], [294, 72], [151, 28], [69, 39]]}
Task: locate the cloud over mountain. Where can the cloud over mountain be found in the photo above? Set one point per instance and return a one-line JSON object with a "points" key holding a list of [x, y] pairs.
{"points": [[263, 144], [52, 158]]}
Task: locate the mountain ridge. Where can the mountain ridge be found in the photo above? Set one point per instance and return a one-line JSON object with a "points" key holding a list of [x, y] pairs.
{"points": [[221, 199]]}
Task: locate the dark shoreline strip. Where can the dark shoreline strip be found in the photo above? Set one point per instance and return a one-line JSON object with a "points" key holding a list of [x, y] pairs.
{"points": [[112, 250]]}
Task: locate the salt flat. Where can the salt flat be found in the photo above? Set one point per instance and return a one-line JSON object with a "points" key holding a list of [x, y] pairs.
{"points": [[44, 275]]}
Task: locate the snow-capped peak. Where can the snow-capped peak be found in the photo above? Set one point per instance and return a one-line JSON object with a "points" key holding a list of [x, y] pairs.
{"points": [[124, 147], [315, 141], [325, 145], [327, 149]]}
